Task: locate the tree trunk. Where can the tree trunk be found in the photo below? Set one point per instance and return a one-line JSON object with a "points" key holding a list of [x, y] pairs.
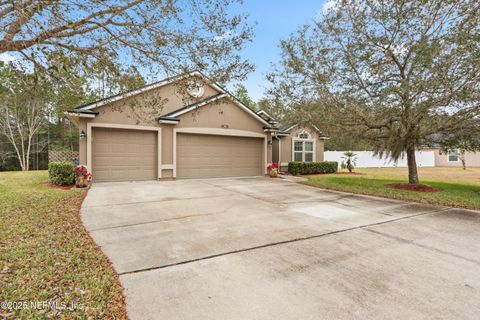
{"points": [[412, 166], [27, 156], [463, 160]]}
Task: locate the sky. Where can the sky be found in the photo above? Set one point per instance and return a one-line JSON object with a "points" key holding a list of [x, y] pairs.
{"points": [[275, 20]]}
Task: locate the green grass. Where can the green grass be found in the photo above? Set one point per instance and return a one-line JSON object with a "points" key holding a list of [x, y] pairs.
{"points": [[458, 188], [47, 255]]}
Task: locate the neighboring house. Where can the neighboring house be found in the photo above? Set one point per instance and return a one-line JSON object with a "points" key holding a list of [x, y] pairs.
{"points": [[452, 158], [163, 131]]}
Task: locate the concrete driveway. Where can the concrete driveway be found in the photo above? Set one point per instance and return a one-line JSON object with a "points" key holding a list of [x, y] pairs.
{"points": [[259, 248]]}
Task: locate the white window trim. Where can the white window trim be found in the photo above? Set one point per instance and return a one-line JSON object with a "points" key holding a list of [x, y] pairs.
{"points": [[314, 151], [302, 133], [458, 155], [91, 125]]}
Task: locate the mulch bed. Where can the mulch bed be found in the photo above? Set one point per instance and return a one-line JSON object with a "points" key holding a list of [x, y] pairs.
{"points": [[413, 187], [56, 186]]}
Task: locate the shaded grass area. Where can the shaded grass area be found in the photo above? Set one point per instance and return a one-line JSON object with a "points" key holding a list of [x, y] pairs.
{"points": [[440, 174], [47, 255], [458, 188]]}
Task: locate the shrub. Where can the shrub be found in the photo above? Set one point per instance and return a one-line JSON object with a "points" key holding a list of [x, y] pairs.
{"points": [[349, 161], [312, 167], [61, 172]]}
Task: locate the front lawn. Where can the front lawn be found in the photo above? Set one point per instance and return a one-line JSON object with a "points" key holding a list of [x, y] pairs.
{"points": [[459, 188], [49, 266]]}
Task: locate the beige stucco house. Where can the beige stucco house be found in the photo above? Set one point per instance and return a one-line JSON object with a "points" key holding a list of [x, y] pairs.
{"points": [[183, 127], [452, 158]]}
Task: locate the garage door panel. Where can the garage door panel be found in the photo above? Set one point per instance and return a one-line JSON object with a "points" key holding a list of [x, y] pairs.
{"points": [[101, 175], [124, 154], [218, 156]]}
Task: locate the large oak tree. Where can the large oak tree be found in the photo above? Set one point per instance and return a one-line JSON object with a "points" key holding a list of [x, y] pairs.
{"points": [[401, 74], [167, 36], [71, 52]]}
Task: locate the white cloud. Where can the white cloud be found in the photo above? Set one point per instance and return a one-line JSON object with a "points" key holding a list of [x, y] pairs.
{"points": [[329, 5], [6, 57], [15, 60], [400, 50], [223, 37]]}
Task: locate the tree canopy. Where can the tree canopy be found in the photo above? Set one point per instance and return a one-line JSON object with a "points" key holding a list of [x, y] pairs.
{"points": [[241, 93], [167, 37], [397, 73], [67, 53]]}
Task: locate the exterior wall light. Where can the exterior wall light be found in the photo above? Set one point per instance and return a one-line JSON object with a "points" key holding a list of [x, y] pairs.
{"points": [[83, 135]]}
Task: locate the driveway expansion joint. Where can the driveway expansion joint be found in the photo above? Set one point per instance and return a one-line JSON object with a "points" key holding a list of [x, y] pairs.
{"points": [[413, 242], [279, 243], [153, 201], [157, 221]]}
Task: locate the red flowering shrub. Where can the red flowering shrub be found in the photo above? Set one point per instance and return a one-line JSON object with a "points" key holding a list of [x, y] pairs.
{"points": [[272, 166], [82, 171]]}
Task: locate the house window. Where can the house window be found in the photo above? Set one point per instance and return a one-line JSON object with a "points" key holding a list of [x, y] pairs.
{"points": [[308, 154], [303, 149], [452, 155], [303, 135]]}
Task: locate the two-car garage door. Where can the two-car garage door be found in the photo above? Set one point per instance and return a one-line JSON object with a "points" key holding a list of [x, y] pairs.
{"points": [[122, 155], [201, 156]]}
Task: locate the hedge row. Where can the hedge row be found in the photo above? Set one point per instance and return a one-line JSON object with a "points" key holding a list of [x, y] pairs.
{"points": [[61, 172], [312, 167]]}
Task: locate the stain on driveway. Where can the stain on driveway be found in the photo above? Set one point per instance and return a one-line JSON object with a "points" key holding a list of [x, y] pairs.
{"points": [[258, 248]]}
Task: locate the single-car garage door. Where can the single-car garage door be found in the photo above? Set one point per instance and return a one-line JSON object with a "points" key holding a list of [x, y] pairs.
{"points": [[123, 155], [200, 156]]}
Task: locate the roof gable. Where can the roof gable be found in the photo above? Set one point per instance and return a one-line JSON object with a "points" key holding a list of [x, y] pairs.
{"points": [[146, 88], [288, 128], [88, 108], [199, 104]]}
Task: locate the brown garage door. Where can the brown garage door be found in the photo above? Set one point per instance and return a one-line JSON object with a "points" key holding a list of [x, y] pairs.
{"points": [[200, 156], [123, 155]]}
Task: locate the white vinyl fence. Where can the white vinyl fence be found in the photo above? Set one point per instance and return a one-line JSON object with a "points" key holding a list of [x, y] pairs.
{"points": [[367, 159]]}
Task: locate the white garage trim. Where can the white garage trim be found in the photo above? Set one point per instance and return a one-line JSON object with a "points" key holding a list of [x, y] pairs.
{"points": [[218, 132], [90, 125]]}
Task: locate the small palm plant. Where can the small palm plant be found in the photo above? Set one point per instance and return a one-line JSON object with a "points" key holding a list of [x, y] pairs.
{"points": [[349, 161]]}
